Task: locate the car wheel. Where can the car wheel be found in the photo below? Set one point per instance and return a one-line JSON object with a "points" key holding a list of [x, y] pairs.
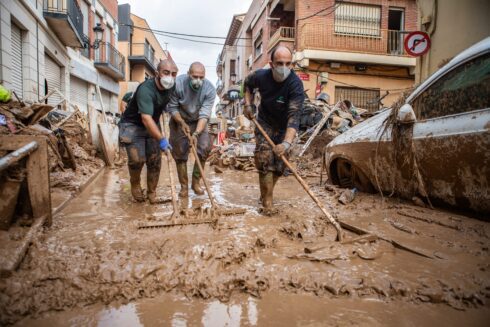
{"points": [[349, 176]]}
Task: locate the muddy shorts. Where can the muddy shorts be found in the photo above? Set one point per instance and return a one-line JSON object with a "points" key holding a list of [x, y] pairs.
{"points": [[265, 159], [140, 147], [180, 143]]}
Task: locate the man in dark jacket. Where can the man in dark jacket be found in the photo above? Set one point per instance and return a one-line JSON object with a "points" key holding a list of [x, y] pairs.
{"points": [[282, 97], [139, 129]]}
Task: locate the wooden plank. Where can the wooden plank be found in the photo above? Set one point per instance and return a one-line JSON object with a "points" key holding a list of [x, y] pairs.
{"points": [[37, 172], [12, 260], [107, 133], [395, 243]]}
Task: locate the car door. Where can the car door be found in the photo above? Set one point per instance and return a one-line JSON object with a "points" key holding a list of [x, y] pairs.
{"points": [[452, 135]]}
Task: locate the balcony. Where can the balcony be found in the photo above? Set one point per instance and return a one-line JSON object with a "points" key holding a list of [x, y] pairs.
{"points": [[110, 61], [66, 20], [143, 54], [282, 35], [351, 44]]}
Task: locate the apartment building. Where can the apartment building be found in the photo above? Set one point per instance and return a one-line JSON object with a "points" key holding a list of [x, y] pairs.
{"points": [[347, 49], [69, 45], [227, 88], [140, 47]]}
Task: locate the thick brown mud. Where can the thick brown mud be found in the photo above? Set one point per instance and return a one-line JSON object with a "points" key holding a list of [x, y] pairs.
{"points": [[288, 265]]}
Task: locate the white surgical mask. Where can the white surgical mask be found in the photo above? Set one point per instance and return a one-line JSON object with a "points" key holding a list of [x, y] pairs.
{"points": [[280, 73], [167, 82], [196, 83]]}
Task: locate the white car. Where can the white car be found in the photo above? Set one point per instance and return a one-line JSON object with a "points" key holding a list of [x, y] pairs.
{"points": [[436, 145]]}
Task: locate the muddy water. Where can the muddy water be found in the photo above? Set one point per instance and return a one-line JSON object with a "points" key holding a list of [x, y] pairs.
{"points": [[287, 266]]}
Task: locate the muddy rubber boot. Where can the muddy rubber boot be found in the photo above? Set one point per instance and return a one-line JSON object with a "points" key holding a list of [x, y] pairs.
{"points": [[183, 179], [266, 182], [152, 183], [196, 179], [135, 180]]}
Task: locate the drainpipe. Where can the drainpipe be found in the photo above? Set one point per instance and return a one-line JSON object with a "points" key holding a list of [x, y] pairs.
{"points": [[37, 52]]}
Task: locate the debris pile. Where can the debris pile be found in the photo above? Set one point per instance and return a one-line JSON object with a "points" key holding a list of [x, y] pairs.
{"points": [[237, 155], [72, 157]]}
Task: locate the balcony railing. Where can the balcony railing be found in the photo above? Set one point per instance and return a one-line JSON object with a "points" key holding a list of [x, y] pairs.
{"points": [[351, 38], [144, 54], [66, 19], [109, 60], [283, 33]]}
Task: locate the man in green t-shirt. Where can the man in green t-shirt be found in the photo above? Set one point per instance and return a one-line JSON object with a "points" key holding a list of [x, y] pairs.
{"points": [[139, 129]]}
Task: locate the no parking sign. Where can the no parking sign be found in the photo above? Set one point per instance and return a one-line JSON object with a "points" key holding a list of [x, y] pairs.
{"points": [[417, 43]]}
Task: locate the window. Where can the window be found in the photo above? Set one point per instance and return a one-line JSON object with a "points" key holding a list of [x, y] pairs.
{"points": [[357, 19], [258, 45], [361, 98], [463, 89], [232, 67]]}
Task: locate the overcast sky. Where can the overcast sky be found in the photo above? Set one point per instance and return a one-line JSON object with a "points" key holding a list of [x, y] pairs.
{"points": [[201, 17]]}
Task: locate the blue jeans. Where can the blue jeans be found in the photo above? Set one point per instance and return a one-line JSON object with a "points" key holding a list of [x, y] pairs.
{"points": [[141, 148]]}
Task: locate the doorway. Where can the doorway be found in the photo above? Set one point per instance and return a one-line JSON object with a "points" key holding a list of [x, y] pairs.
{"points": [[396, 22]]}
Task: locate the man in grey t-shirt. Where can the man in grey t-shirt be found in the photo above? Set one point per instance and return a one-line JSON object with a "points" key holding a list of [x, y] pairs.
{"points": [[190, 107]]}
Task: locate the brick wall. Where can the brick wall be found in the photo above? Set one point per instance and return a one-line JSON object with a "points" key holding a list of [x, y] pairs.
{"points": [[306, 29], [111, 7], [262, 60]]}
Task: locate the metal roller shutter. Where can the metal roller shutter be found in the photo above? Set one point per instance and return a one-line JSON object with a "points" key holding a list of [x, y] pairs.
{"points": [[17, 76], [53, 77], [79, 93]]}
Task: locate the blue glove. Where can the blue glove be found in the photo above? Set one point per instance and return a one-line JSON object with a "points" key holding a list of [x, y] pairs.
{"points": [[164, 145]]}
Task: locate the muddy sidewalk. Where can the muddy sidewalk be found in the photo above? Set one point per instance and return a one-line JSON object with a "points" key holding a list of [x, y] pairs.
{"points": [[94, 253]]}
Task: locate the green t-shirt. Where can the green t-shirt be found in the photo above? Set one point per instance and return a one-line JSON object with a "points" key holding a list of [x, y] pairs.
{"points": [[147, 99]]}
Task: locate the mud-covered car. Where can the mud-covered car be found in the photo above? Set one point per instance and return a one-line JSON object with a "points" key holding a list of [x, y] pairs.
{"points": [[435, 144]]}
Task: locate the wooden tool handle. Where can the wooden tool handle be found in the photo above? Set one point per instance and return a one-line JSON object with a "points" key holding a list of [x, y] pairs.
{"points": [[201, 169], [303, 183]]}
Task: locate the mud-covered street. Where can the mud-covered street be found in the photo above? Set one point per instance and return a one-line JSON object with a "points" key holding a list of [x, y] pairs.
{"points": [[95, 267]]}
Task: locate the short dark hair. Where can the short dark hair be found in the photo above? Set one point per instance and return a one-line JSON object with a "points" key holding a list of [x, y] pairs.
{"points": [[276, 48]]}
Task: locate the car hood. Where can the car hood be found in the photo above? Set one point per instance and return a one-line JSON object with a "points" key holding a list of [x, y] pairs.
{"points": [[367, 131]]}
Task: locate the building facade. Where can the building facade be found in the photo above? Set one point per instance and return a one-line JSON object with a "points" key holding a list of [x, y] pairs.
{"points": [[48, 44], [140, 47], [227, 87], [448, 38], [347, 49]]}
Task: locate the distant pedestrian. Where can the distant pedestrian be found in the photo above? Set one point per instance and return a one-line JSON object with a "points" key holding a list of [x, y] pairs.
{"points": [[139, 129], [190, 107], [281, 103]]}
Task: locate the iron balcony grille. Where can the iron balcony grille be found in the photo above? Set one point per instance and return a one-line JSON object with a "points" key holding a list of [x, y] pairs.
{"points": [[69, 8], [108, 54]]}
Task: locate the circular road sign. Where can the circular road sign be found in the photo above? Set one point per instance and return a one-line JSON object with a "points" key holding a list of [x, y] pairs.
{"points": [[417, 43]]}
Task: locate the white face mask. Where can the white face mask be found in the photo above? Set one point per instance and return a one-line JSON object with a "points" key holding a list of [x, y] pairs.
{"points": [[280, 73], [196, 83], [167, 82]]}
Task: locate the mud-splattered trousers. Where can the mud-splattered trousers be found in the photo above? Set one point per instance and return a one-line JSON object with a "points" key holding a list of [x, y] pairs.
{"points": [[265, 159], [141, 148], [180, 142]]}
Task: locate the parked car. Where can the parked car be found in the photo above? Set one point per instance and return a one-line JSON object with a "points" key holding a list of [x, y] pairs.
{"points": [[436, 144]]}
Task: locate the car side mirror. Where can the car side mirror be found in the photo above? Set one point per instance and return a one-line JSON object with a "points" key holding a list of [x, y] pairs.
{"points": [[406, 115]]}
